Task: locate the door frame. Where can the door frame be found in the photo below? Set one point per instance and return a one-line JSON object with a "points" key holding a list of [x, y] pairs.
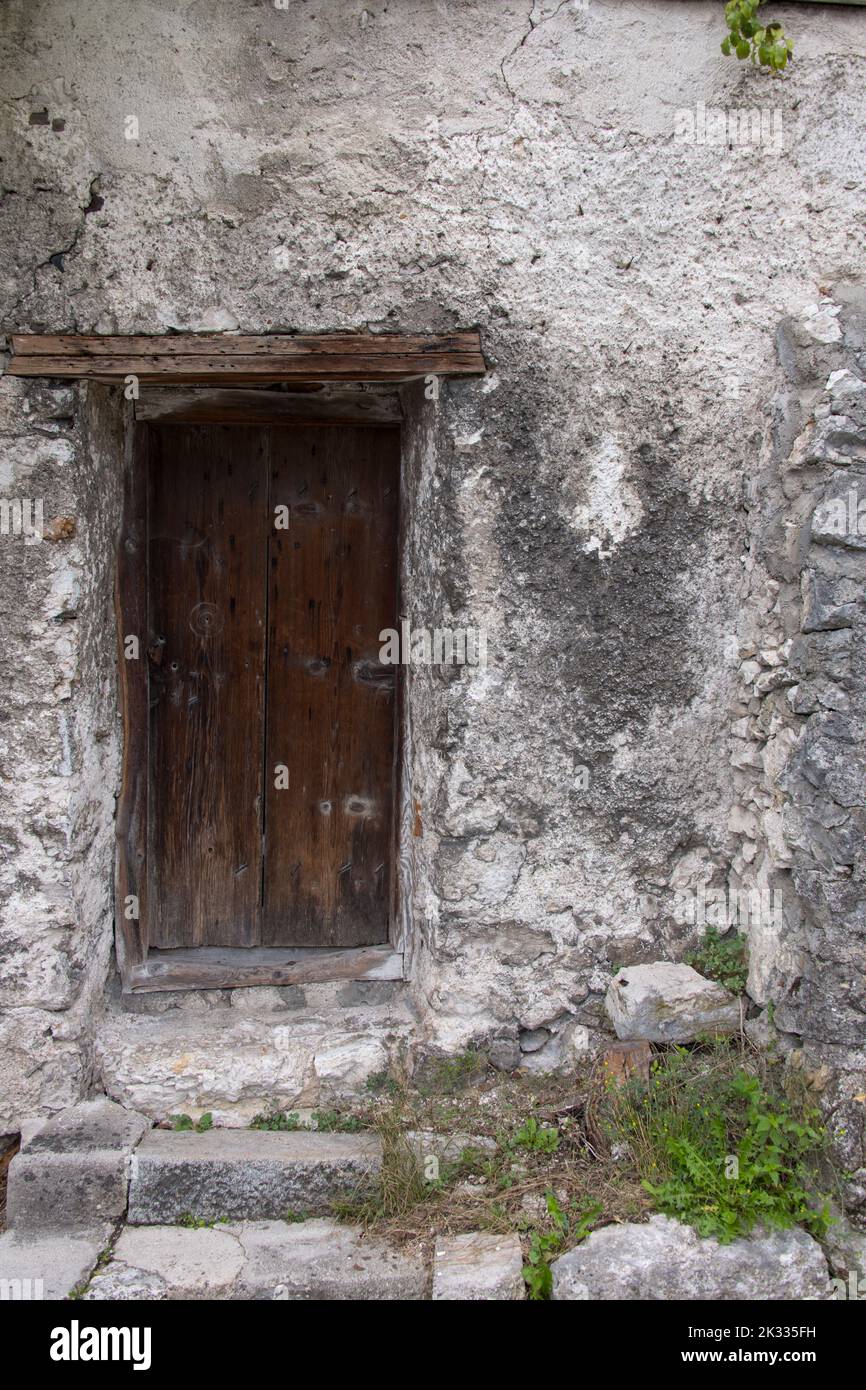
{"points": [[143, 968], [333, 378]]}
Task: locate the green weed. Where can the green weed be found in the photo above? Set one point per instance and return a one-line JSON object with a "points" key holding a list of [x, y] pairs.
{"points": [[567, 1229], [185, 1122], [722, 958], [717, 1147]]}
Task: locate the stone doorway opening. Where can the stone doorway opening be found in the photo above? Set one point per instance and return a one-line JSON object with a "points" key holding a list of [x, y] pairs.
{"points": [[177, 923], [259, 801]]}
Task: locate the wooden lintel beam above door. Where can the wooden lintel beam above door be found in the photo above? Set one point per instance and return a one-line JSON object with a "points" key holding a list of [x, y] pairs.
{"points": [[223, 359]]}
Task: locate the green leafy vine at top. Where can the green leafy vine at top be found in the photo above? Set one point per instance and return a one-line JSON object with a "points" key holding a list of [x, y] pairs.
{"points": [[765, 44]]}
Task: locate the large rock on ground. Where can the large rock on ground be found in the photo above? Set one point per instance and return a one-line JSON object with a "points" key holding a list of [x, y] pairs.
{"points": [[845, 1245], [665, 1260], [666, 1002]]}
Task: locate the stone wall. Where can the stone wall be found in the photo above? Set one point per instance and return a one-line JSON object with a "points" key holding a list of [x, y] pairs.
{"points": [[800, 750], [599, 502], [59, 737]]}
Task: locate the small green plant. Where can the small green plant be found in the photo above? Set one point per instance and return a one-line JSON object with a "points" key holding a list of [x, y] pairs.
{"points": [[718, 1149], [448, 1075], [538, 1138], [185, 1122], [722, 958], [566, 1227], [747, 37], [536, 1272], [103, 1260], [198, 1223], [276, 1119], [326, 1121], [332, 1122], [379, 1083], [295, 1218]]}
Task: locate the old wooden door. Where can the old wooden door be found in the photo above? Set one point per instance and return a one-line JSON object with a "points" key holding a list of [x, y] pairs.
{"points": [[271, 570]]}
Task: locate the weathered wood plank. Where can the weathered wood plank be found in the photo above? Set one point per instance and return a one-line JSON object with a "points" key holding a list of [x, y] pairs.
{"points": [[216, 968], [331, 706], [177, 405], [207, 585], [242, 345], [130, 601], [225, 359], [226, 371]]}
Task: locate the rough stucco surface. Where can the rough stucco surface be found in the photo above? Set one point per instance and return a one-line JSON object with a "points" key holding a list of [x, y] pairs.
{"points": [[601, 502], [59, 744]]}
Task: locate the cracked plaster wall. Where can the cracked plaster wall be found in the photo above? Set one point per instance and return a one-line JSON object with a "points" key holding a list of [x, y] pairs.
{"points": [[420, 166]]}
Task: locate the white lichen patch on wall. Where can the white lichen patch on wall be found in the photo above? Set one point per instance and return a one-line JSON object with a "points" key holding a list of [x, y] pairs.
{"points": [[612, 510]]}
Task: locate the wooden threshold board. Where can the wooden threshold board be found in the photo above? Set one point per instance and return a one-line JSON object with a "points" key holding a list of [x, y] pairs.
{"points": [[215, 967], [225, 359]]}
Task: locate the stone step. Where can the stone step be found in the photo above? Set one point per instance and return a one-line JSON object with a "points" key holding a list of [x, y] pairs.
{"points": [[71, 1172], [478, 1267], [258, 1260], [247, 1175], [235, 1061]]}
